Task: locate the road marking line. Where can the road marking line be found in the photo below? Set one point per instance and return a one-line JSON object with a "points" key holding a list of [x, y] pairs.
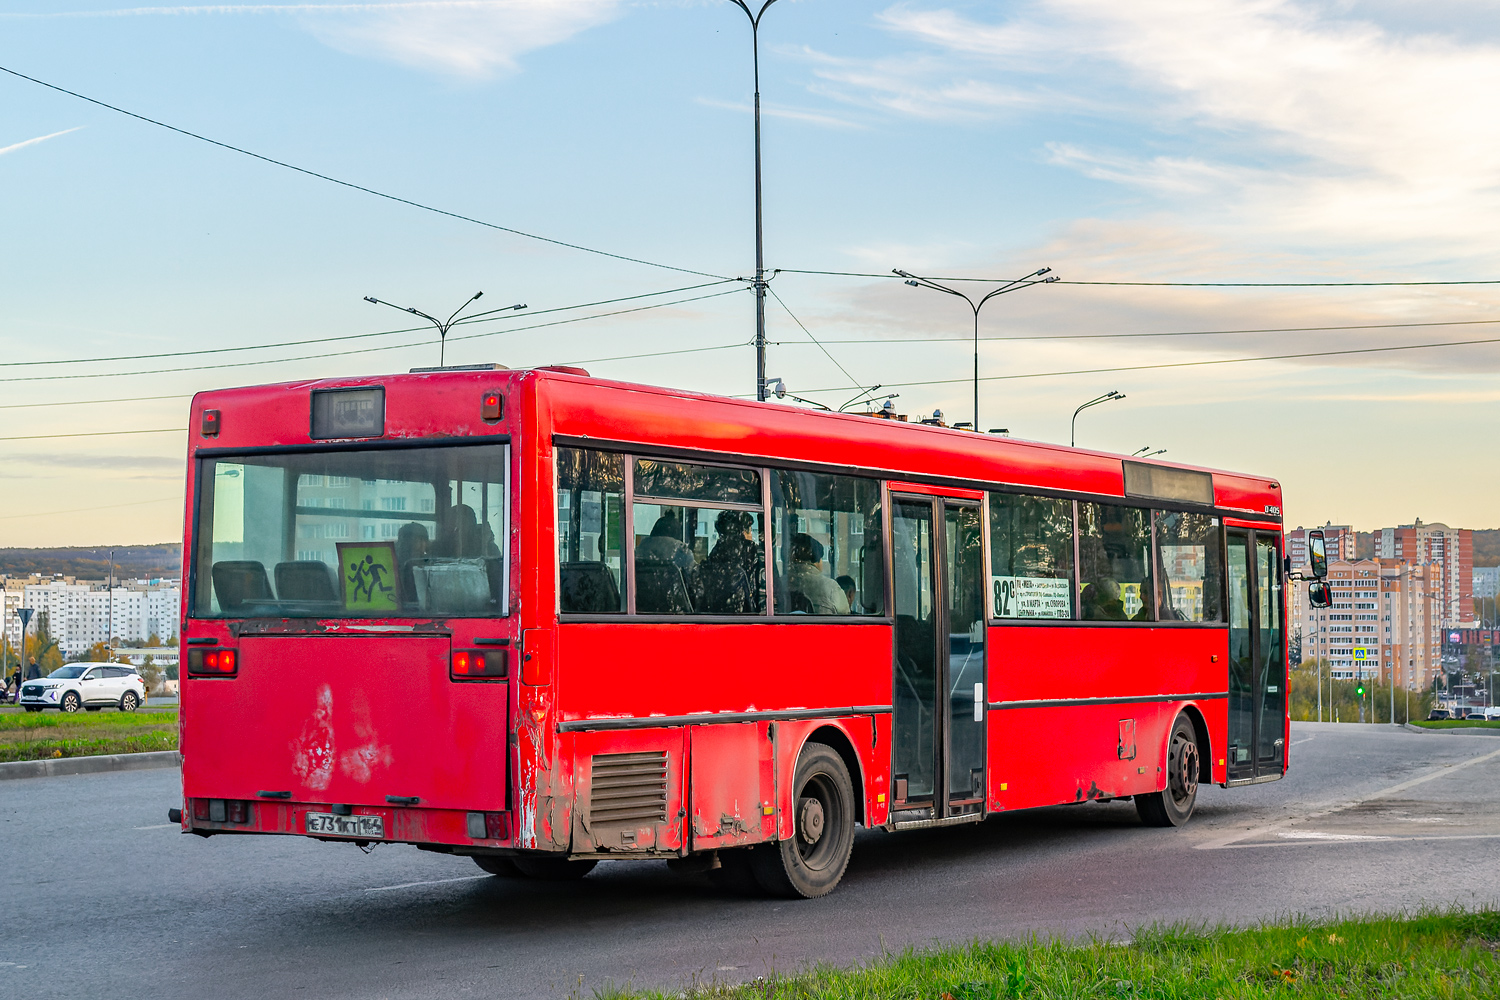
{"points": [[439, 881], [1218, 843], [1321, 841], [1320, 835], [159, 826]]}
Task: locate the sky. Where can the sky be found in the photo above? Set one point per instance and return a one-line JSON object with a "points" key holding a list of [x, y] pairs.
{"points": [[1247, 141]]}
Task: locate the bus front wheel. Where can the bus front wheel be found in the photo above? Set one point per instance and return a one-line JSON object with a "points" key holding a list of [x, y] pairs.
{"points": [[811, 862], [1173, 805]]}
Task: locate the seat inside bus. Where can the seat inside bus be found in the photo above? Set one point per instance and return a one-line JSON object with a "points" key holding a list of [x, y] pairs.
{"points": [[240, 582], [588, 587], [457, 586], [306, 580], [660, 589]]}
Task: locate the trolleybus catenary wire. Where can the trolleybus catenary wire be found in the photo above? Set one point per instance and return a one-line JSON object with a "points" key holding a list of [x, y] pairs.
{"points": [[1175, 333], [1180, 364], [90, 434], [90, 402], [350, 184], [484, 317], [1164, 284], [368, 350], [852, 380]]}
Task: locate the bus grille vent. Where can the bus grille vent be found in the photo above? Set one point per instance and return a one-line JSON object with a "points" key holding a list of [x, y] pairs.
{"points": [[628, 790]]}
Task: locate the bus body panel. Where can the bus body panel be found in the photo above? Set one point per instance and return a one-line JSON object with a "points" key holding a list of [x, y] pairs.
{"points": [[345, 719]]}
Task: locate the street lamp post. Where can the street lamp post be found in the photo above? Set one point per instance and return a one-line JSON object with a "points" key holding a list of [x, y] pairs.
{"points": [[1034, 278], [760, 250], [1108, 397], [442, 325]]}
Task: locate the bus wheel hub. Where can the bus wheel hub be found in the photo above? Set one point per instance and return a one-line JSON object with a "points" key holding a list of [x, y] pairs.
{"points": [[810, 820]]}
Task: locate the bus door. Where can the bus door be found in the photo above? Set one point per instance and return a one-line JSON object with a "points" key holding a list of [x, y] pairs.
{"points": [[937, 547], [1257, 662]]}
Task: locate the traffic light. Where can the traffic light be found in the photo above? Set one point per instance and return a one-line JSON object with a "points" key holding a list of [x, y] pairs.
{"points": [[1360, 690]]}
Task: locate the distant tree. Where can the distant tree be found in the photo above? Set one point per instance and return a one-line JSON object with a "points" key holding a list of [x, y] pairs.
{"points": [[150, 673], [153, 640], [98, 653], [172, 641]]}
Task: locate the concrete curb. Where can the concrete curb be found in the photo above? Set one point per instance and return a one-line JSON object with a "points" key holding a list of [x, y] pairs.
{"points": [[1456, 730], [57, 766]]}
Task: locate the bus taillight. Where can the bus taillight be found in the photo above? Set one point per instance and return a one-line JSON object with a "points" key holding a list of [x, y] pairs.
{"points": [[478, 664], [212, 663]]}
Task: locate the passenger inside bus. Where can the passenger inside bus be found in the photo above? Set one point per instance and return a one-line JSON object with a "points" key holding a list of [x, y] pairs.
{"points": [[813, 591], [666, 575], [460, 537], [734, 574], [846, 584], [411, 546], [1101, 602]]}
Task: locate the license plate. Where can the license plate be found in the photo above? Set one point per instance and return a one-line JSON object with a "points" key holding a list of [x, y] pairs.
{"points": [[367, 827]]}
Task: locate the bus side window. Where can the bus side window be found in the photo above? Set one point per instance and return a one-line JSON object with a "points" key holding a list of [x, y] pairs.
{"points": [[826, 544], [1031, 556], [590, 512], [1189, 570], [1114, 563]]}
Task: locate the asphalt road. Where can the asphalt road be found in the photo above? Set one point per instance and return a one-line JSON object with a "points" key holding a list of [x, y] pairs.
{"points": [[100, 897]]}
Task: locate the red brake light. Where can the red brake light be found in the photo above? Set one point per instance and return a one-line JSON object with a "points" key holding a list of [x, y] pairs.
{"points": [[478, 664], [210, 423], [212, 663], [492, 407]]}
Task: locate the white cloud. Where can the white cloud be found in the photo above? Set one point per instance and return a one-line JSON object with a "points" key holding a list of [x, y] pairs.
{"points": [[32, 142], [473, 40]]}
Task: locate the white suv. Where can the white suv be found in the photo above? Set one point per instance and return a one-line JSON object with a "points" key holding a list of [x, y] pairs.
{"points": [[90, 686]]}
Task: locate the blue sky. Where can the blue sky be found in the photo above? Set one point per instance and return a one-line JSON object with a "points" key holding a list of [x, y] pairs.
{"points": [[1250, 140]]}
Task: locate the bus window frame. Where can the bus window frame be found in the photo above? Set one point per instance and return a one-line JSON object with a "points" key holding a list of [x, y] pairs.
{"points": [[203, 487], [628, 454]]}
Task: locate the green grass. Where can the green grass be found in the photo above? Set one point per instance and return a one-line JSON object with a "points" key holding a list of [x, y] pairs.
{"points": [[40, 735], [1446, 955], [1457, 724]]}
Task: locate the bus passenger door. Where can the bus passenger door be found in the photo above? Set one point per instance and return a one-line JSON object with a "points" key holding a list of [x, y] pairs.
{"points": [[1257, 663], [938, 704]]}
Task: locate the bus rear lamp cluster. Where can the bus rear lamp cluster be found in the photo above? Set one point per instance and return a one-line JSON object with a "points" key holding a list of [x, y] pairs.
{"points": [[221, 810], [213, 663], [478, 664], [486, 826]]}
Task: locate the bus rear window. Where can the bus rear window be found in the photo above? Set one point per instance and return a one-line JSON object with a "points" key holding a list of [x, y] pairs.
{"points": [[352, 534]]}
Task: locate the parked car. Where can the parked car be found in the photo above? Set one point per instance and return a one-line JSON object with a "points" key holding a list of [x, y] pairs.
{"points": [[1437, 714], [89, 686]]}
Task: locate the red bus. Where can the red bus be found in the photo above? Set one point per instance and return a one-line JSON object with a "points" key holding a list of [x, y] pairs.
{"points": [[543, 620]]}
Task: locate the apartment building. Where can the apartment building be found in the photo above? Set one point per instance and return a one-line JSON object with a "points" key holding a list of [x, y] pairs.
{"points": [[1450, 549], [1385, 621], [80, 614]]}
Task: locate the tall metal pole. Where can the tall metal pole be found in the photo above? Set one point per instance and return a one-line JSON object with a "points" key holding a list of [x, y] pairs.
{"points": [[760, 249]]}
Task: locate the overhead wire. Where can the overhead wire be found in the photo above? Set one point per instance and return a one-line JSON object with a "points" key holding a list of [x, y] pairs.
{"points": [[852, 380], [1182, 364], [350, 184], [1166, 284], [92, 434], [83, 510], [476, 317], [369, 350]]}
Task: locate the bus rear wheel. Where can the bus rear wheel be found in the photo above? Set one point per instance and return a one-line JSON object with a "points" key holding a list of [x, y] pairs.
{"points": [[811, 862], [1173, 806], [553, 869]]}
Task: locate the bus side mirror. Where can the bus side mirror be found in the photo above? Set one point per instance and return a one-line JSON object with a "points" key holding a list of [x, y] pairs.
{"points": [[1317, 556], [1318, 595]]}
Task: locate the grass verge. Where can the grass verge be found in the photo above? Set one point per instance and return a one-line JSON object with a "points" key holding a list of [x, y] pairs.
{"points": [[1456, 724], [1447, 955], [43, 735]]}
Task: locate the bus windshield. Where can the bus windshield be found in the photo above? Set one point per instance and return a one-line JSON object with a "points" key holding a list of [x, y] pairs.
{"points": [[352, 533]]}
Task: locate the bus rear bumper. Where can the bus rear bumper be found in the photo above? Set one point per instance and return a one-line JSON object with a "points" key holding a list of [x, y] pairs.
{"points": [[360, 824]]}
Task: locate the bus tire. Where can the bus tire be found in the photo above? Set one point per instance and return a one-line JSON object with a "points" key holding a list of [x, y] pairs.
{"points": [[811, 862], [497, 865], [1173, 806], [553, 869]]}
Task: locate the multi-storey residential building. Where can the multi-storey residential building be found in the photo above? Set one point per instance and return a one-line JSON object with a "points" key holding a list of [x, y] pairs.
{"points": [[1385, 622], [1339, 542], [1450, 549], [82, 614]]}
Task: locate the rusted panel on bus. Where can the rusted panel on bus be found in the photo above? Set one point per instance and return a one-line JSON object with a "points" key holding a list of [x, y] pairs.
{"points": [[628, 791], [732, 787], [346, 720]]}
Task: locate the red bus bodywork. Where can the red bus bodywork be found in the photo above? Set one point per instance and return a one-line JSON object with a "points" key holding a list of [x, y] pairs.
{"points": [[362, 716]]}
